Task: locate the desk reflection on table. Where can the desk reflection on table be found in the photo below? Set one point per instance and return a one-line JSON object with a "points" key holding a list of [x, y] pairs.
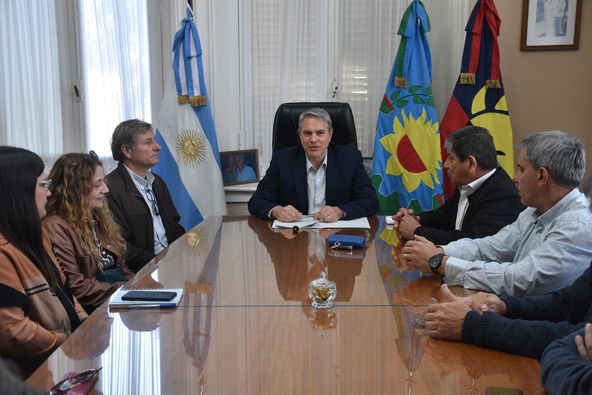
{"points": [[300, 256], [238, 329]]}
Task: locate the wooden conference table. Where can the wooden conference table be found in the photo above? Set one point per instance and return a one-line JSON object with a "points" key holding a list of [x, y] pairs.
{"points": [[245, 325]]}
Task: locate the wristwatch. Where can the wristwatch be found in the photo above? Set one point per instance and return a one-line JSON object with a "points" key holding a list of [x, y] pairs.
{"points": [[435, 262]]}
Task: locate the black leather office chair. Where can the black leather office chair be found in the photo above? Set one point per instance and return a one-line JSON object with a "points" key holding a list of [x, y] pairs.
{"points": [[285, 124]]}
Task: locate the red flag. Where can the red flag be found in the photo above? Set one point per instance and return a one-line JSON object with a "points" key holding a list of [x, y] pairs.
{"points": [[478, 98]]}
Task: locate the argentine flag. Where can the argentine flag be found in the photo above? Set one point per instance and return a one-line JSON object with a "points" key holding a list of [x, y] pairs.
{"points": [[189, 161]]}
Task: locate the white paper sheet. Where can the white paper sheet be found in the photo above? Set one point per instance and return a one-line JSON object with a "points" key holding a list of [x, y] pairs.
{"points": [[309, 222]]}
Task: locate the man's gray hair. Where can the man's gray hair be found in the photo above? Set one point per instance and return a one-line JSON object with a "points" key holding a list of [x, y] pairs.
{"points": [[564, 156], [318, 113], [125, 134]]}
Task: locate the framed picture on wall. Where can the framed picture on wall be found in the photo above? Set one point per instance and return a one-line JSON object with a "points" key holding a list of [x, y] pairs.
{"points": [[550, 24], [239, 167]]}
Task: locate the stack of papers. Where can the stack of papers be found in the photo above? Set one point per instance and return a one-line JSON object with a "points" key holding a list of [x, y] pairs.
{"points": [[308, 221], [117, 303]]}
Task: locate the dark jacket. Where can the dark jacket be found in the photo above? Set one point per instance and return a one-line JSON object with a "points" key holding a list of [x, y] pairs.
{"points": [[492, 206], [347, 184], [563, 370], [134, 216], [533, 322]]}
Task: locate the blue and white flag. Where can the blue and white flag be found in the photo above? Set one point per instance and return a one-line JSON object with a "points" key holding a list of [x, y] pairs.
{"points": [[189, 160]]}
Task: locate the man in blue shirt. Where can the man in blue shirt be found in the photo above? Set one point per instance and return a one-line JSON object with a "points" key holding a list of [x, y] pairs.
{"points": [[545, 249]]}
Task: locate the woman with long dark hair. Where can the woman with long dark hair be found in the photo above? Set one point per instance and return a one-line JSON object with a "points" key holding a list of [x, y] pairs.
{"points": [[85, 238], [37, 308]]}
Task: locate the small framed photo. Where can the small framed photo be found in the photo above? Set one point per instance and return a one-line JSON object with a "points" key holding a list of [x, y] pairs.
{"points": [[239, 167], [550, 24]]}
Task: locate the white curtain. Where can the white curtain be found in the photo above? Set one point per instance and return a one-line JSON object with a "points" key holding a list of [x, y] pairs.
{"points": [[336, 50], [30, 102], [116, 67]]}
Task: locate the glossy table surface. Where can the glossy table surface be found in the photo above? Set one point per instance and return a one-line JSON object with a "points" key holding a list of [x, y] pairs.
{"points": [[245, 324]]}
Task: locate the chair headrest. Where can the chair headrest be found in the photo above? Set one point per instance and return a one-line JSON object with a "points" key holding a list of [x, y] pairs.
{"points": [[285, 124]]}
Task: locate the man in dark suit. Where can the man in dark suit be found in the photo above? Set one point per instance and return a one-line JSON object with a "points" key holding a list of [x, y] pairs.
{"points": [[316, 178], [485, 201]]}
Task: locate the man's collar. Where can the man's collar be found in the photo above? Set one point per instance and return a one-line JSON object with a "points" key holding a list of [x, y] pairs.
{"points": [[309, 163], [147, 181], [474, 185], [558, 207]]}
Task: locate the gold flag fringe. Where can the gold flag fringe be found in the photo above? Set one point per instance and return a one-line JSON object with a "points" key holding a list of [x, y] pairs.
{"points": [[493, 84], [467, 79], [400, 82], [193, 100]]}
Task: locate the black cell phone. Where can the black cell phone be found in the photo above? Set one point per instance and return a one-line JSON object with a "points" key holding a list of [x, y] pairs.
{"points": [[156, 296]]}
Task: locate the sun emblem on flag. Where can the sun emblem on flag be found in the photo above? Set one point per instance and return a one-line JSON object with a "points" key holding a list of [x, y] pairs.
{"points": [[195, 242], [191, 147], [414, 150]]}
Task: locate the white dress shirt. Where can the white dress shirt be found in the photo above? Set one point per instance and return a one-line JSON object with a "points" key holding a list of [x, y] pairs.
{"points": [[536, 254], [316, 179], [144, 186], [465, 192]]}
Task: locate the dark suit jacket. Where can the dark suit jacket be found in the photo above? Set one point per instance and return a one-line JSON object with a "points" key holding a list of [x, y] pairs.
{"points": [[492, 206], [133, 215], [347, 184]]}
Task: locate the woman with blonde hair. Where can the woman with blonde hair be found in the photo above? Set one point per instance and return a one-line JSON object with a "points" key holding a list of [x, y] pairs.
{"points": [[37, 309], [85, 239]]}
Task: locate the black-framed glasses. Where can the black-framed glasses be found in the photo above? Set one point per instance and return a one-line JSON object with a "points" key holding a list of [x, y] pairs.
{"points": [[152, 200], [45, 184]]}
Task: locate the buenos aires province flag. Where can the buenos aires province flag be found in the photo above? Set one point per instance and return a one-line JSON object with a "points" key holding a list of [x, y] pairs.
{"points": [[189, 160], [407, 164]]}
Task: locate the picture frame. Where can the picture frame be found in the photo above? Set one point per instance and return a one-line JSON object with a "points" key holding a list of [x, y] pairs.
{"points": [[550, 25], [239, 167]]}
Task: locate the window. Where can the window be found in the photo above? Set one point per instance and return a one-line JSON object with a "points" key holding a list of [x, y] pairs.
{"points": [[31, 103], [116, 67], [334, 50], [46, 99]]}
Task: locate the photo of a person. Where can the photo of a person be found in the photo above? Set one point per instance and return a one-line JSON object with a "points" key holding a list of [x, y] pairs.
{"points": [[552, 18], [239, 166]]}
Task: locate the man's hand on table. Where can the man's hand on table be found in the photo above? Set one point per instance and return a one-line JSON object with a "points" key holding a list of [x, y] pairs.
{"points": [[417, 252], [329, 214], [406, 223], [445, 320], [286, 213]]}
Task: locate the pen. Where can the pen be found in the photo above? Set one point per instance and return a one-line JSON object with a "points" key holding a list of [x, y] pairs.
{"points": [[151, 306]]}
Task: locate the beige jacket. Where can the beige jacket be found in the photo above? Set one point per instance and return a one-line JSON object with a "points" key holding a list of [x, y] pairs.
{"points": [[33, 321]]}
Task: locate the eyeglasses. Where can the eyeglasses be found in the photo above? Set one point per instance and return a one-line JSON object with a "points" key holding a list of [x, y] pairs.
{"points": [[74, 381], [152, 201], [45, 184]]}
